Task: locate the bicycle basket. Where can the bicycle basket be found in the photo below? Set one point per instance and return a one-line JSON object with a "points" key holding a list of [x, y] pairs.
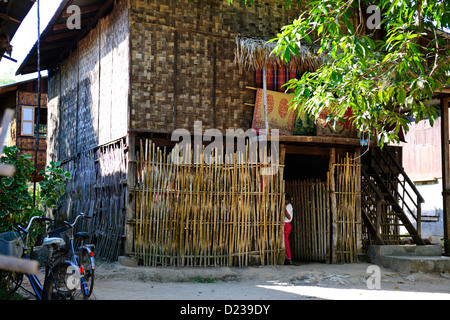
{"points": [[11, 244]]}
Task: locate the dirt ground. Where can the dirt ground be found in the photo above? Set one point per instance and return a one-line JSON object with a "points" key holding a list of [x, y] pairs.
{"points": [[303, 281]]}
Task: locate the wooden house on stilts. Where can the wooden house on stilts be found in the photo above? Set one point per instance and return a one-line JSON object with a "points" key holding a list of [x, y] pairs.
{"points": [[139, 77]]}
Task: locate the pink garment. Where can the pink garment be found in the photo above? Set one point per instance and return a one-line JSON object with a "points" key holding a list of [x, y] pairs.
{"points": [[287, 231]]}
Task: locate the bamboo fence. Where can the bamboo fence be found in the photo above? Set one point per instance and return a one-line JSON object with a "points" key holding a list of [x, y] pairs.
{"points": [[310, 235], [326, 217], [199, 214], [345, 217]]}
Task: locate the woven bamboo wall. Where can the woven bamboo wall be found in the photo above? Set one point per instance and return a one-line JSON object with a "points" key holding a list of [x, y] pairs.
{"points": [[53, 117], [88, 94], [97, 189], [182, 53]]}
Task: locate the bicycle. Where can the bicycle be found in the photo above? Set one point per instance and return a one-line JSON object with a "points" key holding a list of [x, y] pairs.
{"points": [[58, 273], [83, 257]]}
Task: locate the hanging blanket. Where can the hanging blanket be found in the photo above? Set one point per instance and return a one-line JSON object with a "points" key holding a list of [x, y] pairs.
{"points": [[279, 114]]}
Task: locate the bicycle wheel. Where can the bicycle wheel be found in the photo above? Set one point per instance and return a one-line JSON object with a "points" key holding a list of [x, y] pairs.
{"points": [[64, 283], [10, 281], [88, 267]]}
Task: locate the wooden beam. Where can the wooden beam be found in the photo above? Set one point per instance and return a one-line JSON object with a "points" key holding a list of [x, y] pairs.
{"points": [[61, 36], [9, 58], [63, 26], [83, 10], [323, 140], [317, 151], [6, 17], [445, 148]]}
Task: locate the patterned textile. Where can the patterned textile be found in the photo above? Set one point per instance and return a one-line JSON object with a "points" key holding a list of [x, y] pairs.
{"points": [[278, 113], [343, 129]]}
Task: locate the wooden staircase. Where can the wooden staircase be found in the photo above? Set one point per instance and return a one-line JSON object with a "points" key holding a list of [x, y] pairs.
{"points": [[389, 200]]}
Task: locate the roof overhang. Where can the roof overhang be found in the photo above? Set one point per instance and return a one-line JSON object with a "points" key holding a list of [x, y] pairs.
{"points": [[58, 40], [12, 13], [15, 85]]}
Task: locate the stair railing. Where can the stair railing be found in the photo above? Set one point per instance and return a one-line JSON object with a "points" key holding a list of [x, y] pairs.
{"points": [[393, 182], [372, 201]]}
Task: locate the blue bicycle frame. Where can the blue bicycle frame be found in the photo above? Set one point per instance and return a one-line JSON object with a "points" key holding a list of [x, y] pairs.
{"points": [[40, 291]]}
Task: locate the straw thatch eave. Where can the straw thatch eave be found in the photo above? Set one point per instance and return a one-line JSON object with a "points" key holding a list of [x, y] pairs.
{"points": [[254, 53]]}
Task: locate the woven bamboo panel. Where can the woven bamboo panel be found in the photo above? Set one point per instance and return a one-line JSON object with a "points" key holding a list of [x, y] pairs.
{"points": [[106, 77], [230, 90], [93, 84], [97, 189], [152, 82], [156, 54], [88, 77], [26, 144], [262, 19], [53, 118], [120, 71], [194, 80], [31, 99], [68, 106], [206, 215]]}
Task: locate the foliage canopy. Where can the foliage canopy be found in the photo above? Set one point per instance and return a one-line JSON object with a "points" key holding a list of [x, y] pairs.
{"points": [[385, 80], [16, 201]]}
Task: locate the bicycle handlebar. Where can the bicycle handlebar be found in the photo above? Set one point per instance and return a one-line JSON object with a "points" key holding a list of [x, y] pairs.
{"points": [[25, 230], [71, 225]]}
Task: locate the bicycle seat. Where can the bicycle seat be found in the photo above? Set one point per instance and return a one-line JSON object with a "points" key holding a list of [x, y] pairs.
{"points": [[54, 241], [82, 235]]}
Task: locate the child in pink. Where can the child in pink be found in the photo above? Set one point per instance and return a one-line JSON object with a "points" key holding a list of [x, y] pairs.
{"points": [[288, 213]]}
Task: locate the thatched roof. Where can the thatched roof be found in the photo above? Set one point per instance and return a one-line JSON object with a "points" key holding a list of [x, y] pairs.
{"points": [[254, 53]]}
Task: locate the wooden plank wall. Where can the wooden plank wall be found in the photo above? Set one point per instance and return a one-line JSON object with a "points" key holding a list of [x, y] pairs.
{"points": [[26, 144], [88, 94], [183, 55]]}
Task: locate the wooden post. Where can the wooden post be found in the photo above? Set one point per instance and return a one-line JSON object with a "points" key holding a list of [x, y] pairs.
{"points": [[358, 202], [265, 100], [130, 213], [333, 212], [445, 171]]}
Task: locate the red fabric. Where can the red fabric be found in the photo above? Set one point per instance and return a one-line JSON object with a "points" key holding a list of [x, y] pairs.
{"points": [[276, 77], [287, 231]]}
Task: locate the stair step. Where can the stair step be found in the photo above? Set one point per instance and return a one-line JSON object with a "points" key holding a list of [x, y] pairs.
{"points": [[408, 264], [405, 250]]}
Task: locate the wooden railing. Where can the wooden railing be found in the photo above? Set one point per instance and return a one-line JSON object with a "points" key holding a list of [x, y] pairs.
{"points": [[393, 190]]}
